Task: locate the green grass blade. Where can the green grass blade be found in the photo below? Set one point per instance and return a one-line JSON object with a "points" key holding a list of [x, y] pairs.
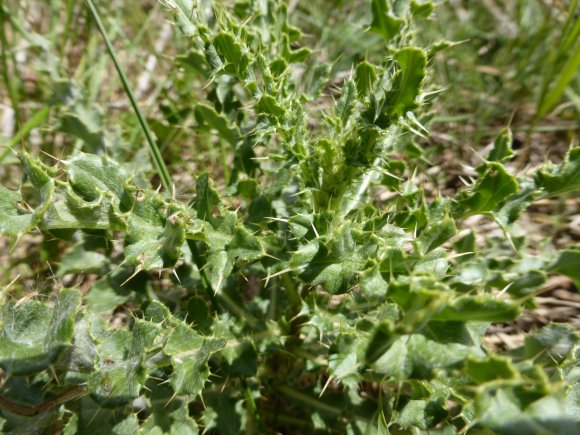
{"points": [[11, 85], [35, 121], [156, 154], [568, 47], [568, 72]]}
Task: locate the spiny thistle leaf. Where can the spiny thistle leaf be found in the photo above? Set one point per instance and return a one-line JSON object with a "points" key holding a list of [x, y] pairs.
{"points": [[334, 263], [502, 147], [493, 187], [121, 372], [567, 264], [562, 178], [190, 353], [34, 333], [384, 23]]}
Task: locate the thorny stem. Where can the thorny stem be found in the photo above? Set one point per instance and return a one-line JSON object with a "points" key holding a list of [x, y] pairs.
{"points": [[308, 400], [31, 411], [316, 403], [253, 408], [238, 310]]}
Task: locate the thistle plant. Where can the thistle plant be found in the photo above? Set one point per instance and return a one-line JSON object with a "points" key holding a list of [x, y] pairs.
{"points": [[299, 301]]}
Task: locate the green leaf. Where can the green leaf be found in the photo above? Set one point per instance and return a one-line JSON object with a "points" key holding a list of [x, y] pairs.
{"points": [[407, 82], [268, 105], [559, 179], [493, 187], [527, 283], [502, 147], [14, 222], [490, 369], [78, 118], [244, 246], [190, 353], [384, 23], [372, 282], [240, 360], [220, 267], [182, 10], [434, 263], [500, 411], [320, 78], [121, 371], [24, 425], [415, 356], [436, 234], [169, 414], [92, 418], [206, 198], [345, 359], [422, 8], [233, 53], [482, 308], [223, 413], [91, 176], [334, 264], [365, 78], [79, 358], [294, 56], [227, 247], [34, 334], [84, 124], [551, 344], [152, 243], [423, 414], [513, 207], [419, 297], [80, 260], [99, 195], [567, 263], [345, 105], [105, 295], [198, 315], [209, 118]]}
